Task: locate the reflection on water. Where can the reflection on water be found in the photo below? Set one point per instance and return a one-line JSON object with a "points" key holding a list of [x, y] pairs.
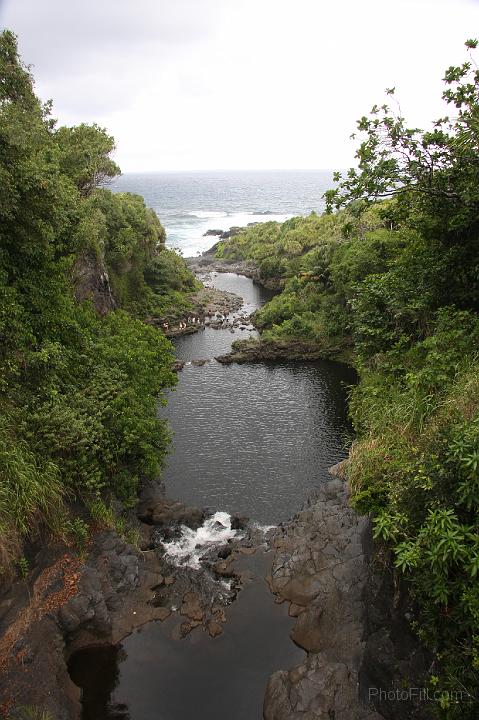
{"points": [[253, 438], [210, 679], [96, 671]]}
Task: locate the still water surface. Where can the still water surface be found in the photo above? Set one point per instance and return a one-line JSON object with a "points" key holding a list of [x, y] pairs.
{"points": [[253, 438]]}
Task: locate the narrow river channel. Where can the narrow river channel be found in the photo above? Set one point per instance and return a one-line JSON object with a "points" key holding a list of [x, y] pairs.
{"points": [[248, 439]]}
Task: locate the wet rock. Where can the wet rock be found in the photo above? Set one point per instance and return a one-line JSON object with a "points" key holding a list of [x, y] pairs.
{"points": [[321, 569], [247, 550], [214, 628], [163, 511], [163, 613], [185, 628], [319, 690], [178, 365], [223, 568], [191, 607], [260, 350], [213, 232], [158, 582], [306, 632], [295, 610], [209, 302], [218, 613], [300, 589], [239, 522], [225, 552], [199, 363], [145, 540], [88, 608], [73, 605]]}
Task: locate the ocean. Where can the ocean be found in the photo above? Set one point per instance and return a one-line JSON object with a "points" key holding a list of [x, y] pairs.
{"points": [[189, 204]]}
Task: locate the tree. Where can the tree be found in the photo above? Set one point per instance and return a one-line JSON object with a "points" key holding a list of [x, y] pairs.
{"points": [[85, 156], [436, 172]]}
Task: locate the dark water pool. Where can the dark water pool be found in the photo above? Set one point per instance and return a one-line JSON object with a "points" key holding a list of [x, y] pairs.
{"points": [[154, 676], [253, 438]]}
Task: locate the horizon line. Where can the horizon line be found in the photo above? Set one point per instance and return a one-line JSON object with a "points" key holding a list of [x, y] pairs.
{"points": [[219, 170]]}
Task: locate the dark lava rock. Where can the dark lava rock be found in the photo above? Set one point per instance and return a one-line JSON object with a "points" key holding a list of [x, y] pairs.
{"points": [[254, 350], [178, 365], [346, 618], [209, 233], [163, 511], [239, 522], [225, 552]]}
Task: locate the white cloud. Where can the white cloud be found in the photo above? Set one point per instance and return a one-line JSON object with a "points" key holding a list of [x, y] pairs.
{"points": [[199, 84]]}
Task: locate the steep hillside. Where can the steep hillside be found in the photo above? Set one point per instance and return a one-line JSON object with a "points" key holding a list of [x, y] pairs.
{"points": [[80, 374]]}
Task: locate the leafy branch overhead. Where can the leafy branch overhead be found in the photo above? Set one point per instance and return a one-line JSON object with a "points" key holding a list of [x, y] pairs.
{"points": [[436, 170]]}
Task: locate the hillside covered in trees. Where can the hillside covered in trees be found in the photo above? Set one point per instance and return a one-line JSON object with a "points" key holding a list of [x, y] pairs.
{"points": [[390, 281], [80, 373]]}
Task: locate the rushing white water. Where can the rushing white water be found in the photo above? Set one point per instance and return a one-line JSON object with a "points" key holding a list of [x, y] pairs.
{"points": [[193, 544]]}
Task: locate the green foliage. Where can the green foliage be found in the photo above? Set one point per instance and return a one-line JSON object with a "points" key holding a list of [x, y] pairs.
{"points": [[29, 713], [24, 566], [320, 283], [415, 468], [79, 393], [433, 174], [78, 530], [147, 279], [85, 156], [30, 491]]}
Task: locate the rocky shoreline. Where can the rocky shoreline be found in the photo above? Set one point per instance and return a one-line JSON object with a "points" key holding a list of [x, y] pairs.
{"points": [[206, 303], [69, 604], [259, 350], [321, 569], [350, 623], [353, 620]]}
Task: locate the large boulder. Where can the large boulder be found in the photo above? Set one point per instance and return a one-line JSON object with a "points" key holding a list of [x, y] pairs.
{"points": [[162, 511]]}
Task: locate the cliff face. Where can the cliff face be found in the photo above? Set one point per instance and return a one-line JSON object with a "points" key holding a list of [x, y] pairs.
{"points": [[90, 280]]}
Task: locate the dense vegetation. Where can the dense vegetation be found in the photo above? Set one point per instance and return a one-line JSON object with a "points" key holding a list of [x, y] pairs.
{"points": [[79, 392], [394, 275]]}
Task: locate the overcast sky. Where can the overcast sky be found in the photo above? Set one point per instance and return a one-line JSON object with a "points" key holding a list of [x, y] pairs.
{"points": [[231, 84]]}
